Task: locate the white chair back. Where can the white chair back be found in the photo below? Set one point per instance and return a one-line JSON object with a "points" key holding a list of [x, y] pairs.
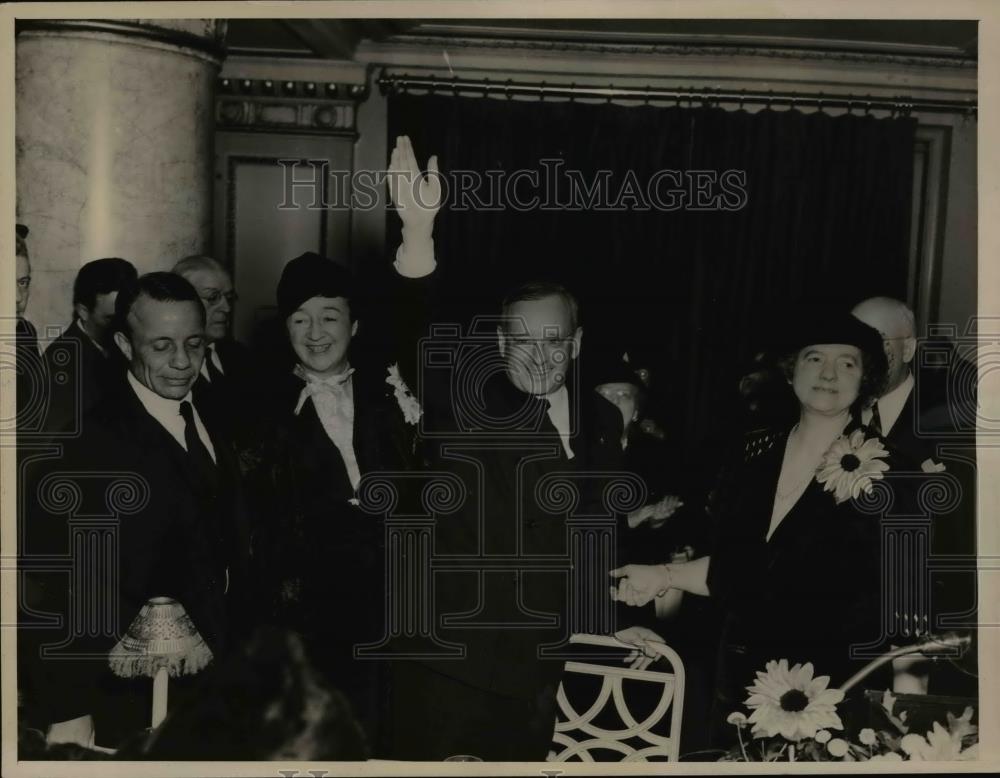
{"points": [[576, 735]]}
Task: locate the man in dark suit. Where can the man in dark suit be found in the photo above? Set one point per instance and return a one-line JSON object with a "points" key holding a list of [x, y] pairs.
{"points": [[83, 362], [30, 378], [533, 428], [916, 415], [178, 529], [227, 378], [895, 414], [504, 413]]}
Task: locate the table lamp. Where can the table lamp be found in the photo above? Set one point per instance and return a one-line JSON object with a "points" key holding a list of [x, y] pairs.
{"points": [[161, 641]]}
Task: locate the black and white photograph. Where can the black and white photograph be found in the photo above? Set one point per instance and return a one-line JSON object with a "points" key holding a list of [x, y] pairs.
{"points": [[545, 386]]}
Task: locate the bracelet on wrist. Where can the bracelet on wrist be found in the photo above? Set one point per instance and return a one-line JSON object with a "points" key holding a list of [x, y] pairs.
{"points": [[670, 580]]}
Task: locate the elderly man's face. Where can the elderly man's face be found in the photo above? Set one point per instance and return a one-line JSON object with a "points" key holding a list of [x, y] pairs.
{"points": [[898, 340], [166, 347], [23, 284], [538, 343], [215, 288]]}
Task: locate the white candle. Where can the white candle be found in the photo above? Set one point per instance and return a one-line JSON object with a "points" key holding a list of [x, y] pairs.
{"points": [[159, 697]]}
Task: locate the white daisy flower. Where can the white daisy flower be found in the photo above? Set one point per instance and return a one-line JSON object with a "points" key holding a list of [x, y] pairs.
{"points": [[791, 703]]}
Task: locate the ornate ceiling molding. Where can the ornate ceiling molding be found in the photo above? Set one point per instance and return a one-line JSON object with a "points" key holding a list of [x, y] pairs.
{"points": [[535, 46]]}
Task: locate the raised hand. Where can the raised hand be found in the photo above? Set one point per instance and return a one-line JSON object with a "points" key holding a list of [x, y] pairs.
{"points": [[416, 195]]}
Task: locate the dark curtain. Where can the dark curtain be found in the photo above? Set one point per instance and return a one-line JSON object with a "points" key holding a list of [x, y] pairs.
{"points": [[691, 293]]}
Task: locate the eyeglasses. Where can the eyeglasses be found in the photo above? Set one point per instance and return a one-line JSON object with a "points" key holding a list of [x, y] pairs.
{"points": [[213, 297], [527, 343]]}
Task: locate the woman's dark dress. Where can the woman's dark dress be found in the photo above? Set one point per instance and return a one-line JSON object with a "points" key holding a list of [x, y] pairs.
{"points": [[808, 594], [322, 557]]}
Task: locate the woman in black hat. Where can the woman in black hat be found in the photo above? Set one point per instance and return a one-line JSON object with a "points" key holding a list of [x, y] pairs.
{"points": [[340, 414], [795, 565]]}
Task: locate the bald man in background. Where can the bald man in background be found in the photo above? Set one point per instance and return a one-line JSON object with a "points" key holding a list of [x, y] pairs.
{"points": [[919, 418], [228, 381], [896, 415]]}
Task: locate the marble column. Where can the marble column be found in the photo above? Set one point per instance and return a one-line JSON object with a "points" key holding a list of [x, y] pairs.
{"points": [[114, 129]]}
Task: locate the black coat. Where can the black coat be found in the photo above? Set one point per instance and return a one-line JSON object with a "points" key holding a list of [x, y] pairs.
{"points": [[234, 399], [79, 376], [31, 382], [314, 528], [320, 558], [175, 535], [938, 422]]}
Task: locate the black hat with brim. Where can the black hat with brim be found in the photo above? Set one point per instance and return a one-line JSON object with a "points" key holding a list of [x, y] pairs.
{"points": [[312, 275]]}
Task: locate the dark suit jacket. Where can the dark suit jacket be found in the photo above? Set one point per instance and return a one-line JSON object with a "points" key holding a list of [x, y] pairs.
{"points": [[905, 434], [79, 376], [503, 612], [932, 426], [234, 399], [174, 535], [31, 377]]}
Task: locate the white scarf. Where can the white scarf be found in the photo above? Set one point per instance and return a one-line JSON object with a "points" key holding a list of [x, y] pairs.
{"points": [[333, 398]]}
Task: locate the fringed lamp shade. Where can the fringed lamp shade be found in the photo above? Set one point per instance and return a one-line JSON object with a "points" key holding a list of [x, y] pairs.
{"points": [[161, 641]]}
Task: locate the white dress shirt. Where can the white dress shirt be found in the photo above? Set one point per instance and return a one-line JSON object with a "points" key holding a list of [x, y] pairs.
{"points": [[890, 405], [559, 414], [210, 354], [168, 413]]}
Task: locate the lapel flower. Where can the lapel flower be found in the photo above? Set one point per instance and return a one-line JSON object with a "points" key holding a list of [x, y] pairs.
{"points": [[930, 466], [851, 465], [791, 703], [408, 404]]}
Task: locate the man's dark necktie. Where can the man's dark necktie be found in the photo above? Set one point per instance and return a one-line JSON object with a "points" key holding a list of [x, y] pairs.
{"points": [[214, 374], [875, 425], [202, 461]]}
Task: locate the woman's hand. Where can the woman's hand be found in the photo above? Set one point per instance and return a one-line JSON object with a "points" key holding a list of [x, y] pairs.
{"points": [[664, 509], [639, 515], [640, 583], [655, 512], [642, 638]]}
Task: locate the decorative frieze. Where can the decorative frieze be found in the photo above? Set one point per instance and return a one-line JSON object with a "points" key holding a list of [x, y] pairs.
{"points": [[266, 105]]}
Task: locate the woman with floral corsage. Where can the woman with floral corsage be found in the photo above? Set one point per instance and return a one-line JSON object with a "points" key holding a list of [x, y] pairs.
{"points": [[795, 564], [343, 412]]}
